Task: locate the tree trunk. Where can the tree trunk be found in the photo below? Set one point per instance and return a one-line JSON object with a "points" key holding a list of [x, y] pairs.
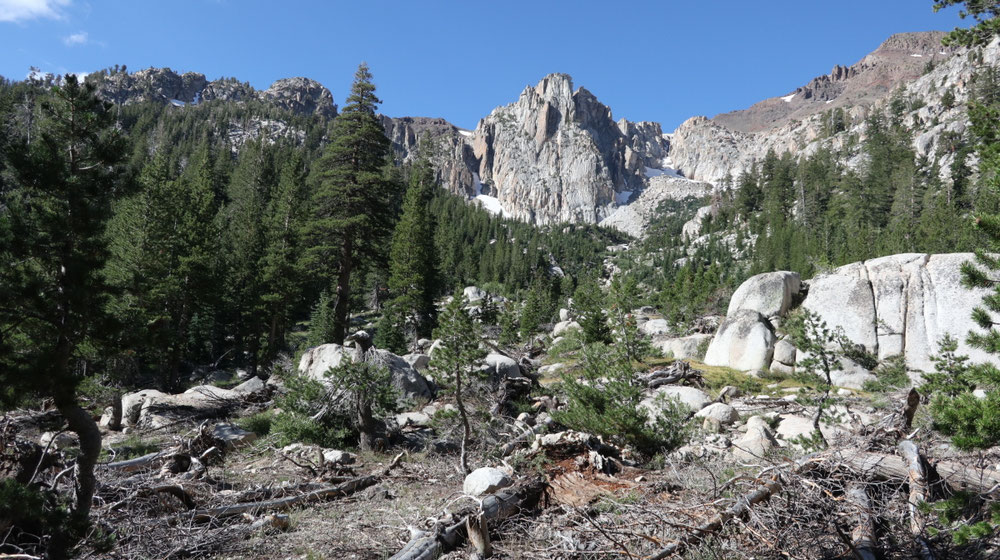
{"points": [[466, 429], [497, 507], [90, 448], [366, 424], [341, 308]]}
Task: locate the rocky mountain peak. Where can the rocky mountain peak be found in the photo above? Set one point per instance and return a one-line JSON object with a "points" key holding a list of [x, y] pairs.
{"points": [[302, 96], [556, 155], [555, 88]]}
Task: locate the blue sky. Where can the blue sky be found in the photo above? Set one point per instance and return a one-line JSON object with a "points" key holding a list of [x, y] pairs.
{"points": [[660, 60]]}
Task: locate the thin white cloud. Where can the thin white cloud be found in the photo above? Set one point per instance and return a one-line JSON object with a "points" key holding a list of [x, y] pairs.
{"points": [[23, 10], [78, 38]]}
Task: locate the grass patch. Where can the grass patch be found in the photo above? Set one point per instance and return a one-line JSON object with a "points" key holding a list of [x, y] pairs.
{"points": [[131, 447], [717, 377]]}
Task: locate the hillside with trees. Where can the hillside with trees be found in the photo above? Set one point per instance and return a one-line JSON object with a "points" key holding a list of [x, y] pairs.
{"points": [[254, 324]]}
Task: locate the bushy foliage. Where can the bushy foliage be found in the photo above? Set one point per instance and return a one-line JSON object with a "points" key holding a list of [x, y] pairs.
{"points": [[605, 400], [365, 391], [298, 421], [31, 513], [972, 421], [891, 373]]}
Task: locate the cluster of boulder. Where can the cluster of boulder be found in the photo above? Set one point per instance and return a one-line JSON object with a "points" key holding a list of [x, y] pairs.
{"points": [[900, 304]]}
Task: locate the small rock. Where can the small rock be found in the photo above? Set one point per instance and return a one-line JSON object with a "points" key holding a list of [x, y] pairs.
{"points": [[418, 362], [695, 399], [784, 352], [338, 457], [720, 412], [413, 419], [59, 440], [562, 327], [485, 480], [233, 437], [279, 521], [252, 385], [711, 425], [655, 327], [526, 418]]}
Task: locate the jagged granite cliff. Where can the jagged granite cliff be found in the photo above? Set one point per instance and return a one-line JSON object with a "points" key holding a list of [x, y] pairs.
{"points": [[556, 155], [298, 95], [449, 148]]}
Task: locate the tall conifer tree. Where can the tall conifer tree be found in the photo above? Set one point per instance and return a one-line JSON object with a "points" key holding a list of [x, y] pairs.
{"points": [[52, 293], [353, 199], [412, 281]]}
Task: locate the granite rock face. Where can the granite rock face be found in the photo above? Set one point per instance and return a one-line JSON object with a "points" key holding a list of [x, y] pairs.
{"points": [[899, 304], [557, 155], [301, 96], [455, 164]]}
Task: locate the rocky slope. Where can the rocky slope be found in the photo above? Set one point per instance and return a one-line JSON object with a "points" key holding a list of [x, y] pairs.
{"points": [[299, 95], [716, 149], [900, 59], [448, 146]]}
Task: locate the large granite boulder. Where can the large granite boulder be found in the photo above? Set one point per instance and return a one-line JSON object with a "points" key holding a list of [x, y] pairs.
{"points": [[485, 480], [899, 304], [500, 367], [405, 379], [771, 294], [744, 341], [684, 348], [693, 398]]}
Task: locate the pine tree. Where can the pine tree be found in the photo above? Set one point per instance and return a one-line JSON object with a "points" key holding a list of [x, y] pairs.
{"points": [[589, 304], [245, 241], [352, 198], [456, 359], [321, 321], [53, 212], [162, 245], [282, 267], [412, 278]]}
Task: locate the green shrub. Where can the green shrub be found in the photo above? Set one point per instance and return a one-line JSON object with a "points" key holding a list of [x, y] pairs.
{"points": [[971, 421], [305, 398], [27, 510], [606, 402], [259, 423], [291, 427], [890, 374]]}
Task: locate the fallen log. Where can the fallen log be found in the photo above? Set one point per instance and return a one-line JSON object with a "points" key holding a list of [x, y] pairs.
{"points": [[956, 475], [146, 461], [505, 503], [863, 536], [335, 491], [918, 494]]}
